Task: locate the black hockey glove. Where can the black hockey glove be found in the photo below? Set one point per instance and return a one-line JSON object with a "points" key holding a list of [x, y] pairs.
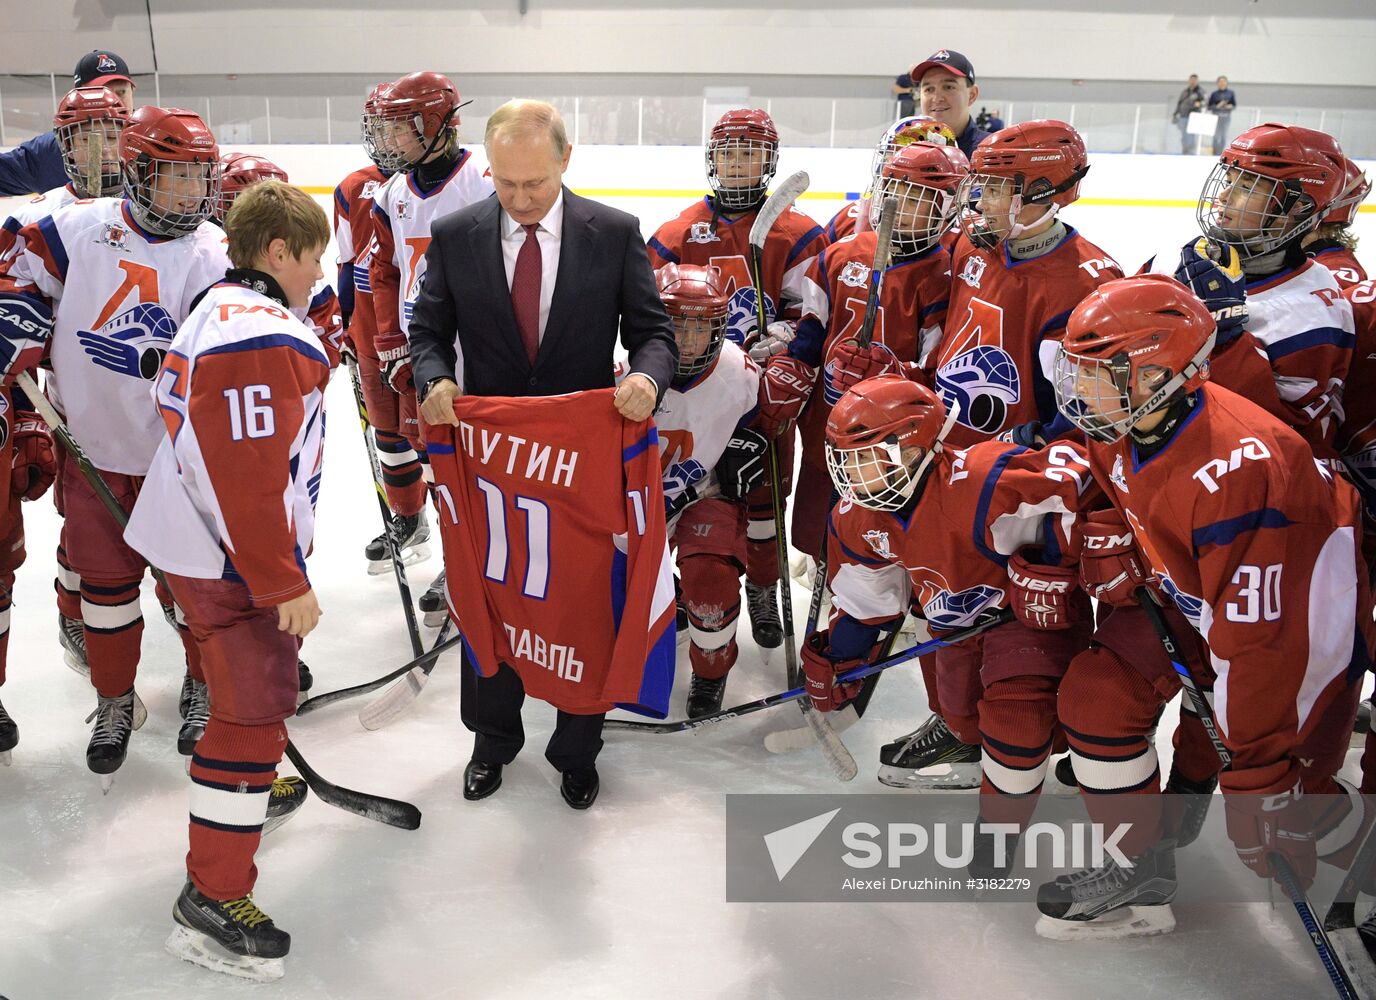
{"points": [[1213, 272], [743, 463]]}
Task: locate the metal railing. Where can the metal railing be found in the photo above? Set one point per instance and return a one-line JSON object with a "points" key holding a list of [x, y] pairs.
{"points": [[27, 104]]}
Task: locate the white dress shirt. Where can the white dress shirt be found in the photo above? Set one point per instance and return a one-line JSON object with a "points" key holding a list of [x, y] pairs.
{"points": [[549, 234]]}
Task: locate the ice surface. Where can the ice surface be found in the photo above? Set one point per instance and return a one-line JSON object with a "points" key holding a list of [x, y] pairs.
{"points": [[516, 896]]}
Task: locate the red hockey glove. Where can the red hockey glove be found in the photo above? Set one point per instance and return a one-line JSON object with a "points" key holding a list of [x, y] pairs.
{"points": [[1111, 566], [1267, 814], [394, 357], [34, 465], [820, 673], [848, 363], [1039, 594], [784, 391]]}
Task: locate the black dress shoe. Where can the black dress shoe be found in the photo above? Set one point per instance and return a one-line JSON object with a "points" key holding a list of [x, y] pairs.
{"points": [[579, 787], [481, 779]]}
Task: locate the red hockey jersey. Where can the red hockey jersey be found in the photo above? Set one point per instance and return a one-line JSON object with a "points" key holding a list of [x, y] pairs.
{"points": [[354, 241], [700, 236], [1003, 324], [555, 548], [1357, 436], [1256, 543], [948, 557], [1347, 269]]}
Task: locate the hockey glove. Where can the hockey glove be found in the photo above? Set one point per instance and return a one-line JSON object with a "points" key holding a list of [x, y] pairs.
{"points": [[784, 390], [777, 336], [34, 465], [25, 327], [848, 363], [394, 357], [1111, 566], [1028, 435], [1039, 594], [820, 674], [680, 486], [743, 464], [1214, 273], [1267, 814]]}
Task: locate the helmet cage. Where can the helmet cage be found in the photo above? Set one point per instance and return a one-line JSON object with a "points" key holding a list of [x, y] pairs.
{"points": [[141, 177], [1288, 214], [854, 469], [923, 215], [74, 138], [741, 197], [687, 326]]}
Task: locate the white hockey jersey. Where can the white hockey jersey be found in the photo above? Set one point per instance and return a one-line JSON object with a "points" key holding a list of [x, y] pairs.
{"points": [[232, 489], [31, 211], [118, 295], [402, 217], [696, 420]]}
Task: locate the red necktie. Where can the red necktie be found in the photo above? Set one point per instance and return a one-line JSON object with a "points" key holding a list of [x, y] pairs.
{"points": [[525, 292]]}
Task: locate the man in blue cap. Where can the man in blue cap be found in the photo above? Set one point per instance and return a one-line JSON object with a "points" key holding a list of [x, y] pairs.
{"points": [[36, 165], [946, 90]]}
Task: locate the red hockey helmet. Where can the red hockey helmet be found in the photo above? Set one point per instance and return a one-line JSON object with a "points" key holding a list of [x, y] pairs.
{"points": [[881, 439], [238, 172], [1356, 186], [377, 130], [696, 299], [1131, 346], [925, 180], [1039, 162], [171, 169], [905, 132], [416, 115], [87, 125], [742, 155], [1272, 184]]}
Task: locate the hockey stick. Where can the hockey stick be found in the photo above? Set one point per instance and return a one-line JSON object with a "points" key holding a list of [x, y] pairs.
{"points": [[398, 698], [403, 586], [330, 697], [1342, 983], [835, 752], [384, 810], [379, 808], [854, 674], [1341, 921]]}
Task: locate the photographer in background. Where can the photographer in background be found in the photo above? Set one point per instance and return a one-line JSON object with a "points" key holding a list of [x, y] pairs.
{"points": [[1191, 99]]}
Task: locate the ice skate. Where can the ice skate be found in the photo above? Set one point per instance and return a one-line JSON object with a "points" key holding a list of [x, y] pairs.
{"points": [[1361, 725], [9, 736], [72, 635], [930, 757], [288, 794], [705, 695], [233, 937], [197, 717], [304, 680], [184, 699], [114, 720], [1110, 902], [412, 535], [432, 604], [765, 624], [1185, 806], [1063, 780], [987, 861]]}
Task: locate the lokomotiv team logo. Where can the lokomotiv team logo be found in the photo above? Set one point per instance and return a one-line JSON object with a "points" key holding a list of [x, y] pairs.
{"points": [[369, 187], [947, 609], [132, 343], [1116, 476], [115, 236], [742, 316], [879, 541], [403, 209], [855, 274], [701, 232], [973, 270], [4, 420]]}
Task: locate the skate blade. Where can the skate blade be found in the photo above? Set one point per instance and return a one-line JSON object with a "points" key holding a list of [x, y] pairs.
{"points": [[1355, 959], [77, 664], [938, 777], [409, 557], [140, 712], [793, 740], [1125, 922], [434, 619], [4, 758], [107, 782], [273, 822], [198, 949]]}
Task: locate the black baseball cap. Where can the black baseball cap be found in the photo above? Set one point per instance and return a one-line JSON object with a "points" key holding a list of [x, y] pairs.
{"points": [[99, 67], [948, 59]]}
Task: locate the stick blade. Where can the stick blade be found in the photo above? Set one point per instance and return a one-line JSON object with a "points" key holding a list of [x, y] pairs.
{"points": [[393, 702], [378, 808], [779, 201], [1356, 960], [838, 758]]}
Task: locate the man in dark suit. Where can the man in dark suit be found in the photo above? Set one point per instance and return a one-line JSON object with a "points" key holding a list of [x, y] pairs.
{"points": [[524, 295]]}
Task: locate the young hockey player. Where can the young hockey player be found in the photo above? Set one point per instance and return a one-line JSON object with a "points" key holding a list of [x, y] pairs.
{"points": [[742, 155], [87, 126], [228, 510], [417, 119], [115, 278], [1249, 538], [711, 460], [923, 179], [958, 535]]}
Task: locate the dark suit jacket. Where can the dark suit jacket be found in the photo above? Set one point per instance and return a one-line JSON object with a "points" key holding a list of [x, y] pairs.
{"points": [[604, 284]]}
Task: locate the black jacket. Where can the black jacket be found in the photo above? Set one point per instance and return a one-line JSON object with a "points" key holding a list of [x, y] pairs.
{"points": [[604, 287]]}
